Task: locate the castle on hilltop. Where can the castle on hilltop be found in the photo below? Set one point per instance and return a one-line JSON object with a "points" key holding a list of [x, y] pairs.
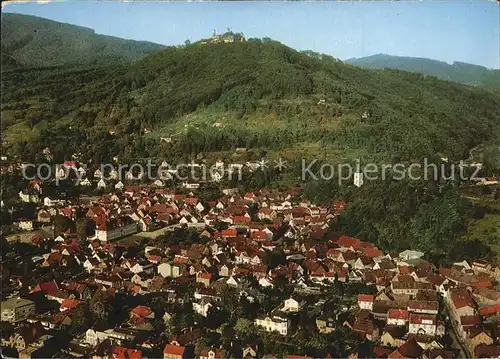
{"points": [[227, 37]]}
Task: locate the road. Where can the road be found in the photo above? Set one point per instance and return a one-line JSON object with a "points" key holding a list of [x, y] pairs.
{"points": [[457, 343], [158, 232]]}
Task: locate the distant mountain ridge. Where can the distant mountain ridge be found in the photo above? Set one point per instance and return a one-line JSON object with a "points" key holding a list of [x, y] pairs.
{"points": [[457, 72], [31, 41]]}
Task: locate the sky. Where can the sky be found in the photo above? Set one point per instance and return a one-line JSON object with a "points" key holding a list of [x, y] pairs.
{"points": [[466, 31]]}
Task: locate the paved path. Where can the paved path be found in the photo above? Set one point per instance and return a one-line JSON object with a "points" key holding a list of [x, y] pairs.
{"points": [[158, 232]]}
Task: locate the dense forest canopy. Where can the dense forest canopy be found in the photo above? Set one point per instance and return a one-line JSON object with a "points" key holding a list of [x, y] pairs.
{"points": [[269, 96], [457, 72], [34, 41]]}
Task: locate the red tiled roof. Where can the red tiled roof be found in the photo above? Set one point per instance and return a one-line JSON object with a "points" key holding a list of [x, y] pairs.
{"points": [[142, 311], [470, 320], [420, 318], [70, 303], [366, 298], [492, 309], [372, 252], [398, 314], [482, 283], [174, 350], [410, 349], [47, 288], [405, 270], [125, 353], [487, 351], [259, 235], [229, 233], [191, 200], [241, 219]]}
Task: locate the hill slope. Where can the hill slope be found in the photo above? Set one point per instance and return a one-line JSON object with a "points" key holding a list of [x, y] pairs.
{"points": [[270, 97], [32, 41], [457, 72]]}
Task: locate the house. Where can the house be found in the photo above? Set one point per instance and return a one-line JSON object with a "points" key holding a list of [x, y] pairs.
{"points": [[173, 352], [119, 185], [106, 232], [204, 278], [460, 304], [479, 337], [202, 306], [393, 336], [26, 225], [325, 324], [250, 351], [487, 351], [410, 254], [101, 184], [50, 202], [84, 182], [488, 181], [410, 349], [422, 324], [211, 353], [17, 309], [121, 352], [491, 311], [397, 317], [29, 197], [365, 301], [29, 337], [44, 216], [142, 311], [273, 324], [292, 305], [423, 306]]}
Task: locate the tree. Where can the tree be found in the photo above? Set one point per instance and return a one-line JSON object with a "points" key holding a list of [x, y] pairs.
{"points": [[62, 224], [243, 327], [216, 317], [99, 306], [81, 228], [80, 319]]}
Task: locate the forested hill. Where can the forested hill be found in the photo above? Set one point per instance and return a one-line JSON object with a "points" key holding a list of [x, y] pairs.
{"points": [[457, 72], [32, 41], [268, 96]]}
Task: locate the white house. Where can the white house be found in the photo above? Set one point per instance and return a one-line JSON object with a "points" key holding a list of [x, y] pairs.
{"points": [[94, 337], [292, 305], [273, 324], [108, 235], [410, 254], [50, 202], [266, 283], [422, 324], [202, 307], [119, 185], [101, 184], [84, 182], [26, 225], [365, 301], [397, 317]]}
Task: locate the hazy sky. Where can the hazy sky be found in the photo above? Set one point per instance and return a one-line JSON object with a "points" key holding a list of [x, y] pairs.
{"points": [[445, 30]]}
